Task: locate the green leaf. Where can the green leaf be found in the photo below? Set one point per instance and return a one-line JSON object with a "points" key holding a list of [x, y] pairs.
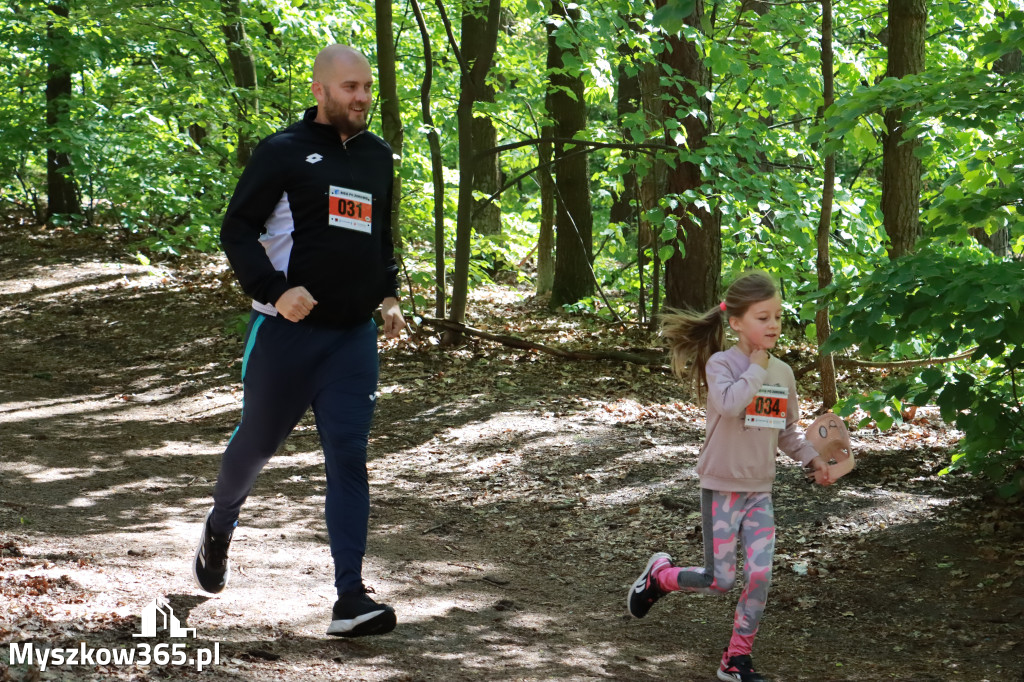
{"points": [[672, 15]]}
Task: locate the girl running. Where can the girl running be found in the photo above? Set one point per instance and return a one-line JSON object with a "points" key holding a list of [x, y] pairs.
{"points": [[752, 410]]}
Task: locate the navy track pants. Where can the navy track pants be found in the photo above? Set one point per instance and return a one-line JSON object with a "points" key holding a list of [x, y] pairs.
{"points": [[287, 368]]}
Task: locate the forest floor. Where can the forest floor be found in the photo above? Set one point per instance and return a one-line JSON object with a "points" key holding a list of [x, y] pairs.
{"points": [[515, 498]]}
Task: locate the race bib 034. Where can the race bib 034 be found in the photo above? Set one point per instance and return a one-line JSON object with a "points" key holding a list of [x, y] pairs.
{"points": [[768, 409], [351, 209]]}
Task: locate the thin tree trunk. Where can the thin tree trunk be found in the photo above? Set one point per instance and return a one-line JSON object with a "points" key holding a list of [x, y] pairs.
{"points": [[652, 185], [546, 236], [627, 102], [243, 69], [624, 206], [436, 165], [472, 79], [901, 169], [692, 278], [390, 109], [574, 278], [829, 393], [486, 172], [61, 190]]}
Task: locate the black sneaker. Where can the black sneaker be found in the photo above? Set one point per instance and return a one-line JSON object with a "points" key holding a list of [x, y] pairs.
{"points": [[739, 669], [211, 567], [645, 591], [355, 614]]}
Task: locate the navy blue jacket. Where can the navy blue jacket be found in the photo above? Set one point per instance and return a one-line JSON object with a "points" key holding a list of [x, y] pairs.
{"points": [[312, 211]]}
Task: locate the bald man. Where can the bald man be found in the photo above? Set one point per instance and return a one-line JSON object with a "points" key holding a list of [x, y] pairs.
{"points": [[308, 234]]}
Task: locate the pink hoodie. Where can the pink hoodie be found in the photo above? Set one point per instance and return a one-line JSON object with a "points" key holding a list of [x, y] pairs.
{"points": [[740, 458]]}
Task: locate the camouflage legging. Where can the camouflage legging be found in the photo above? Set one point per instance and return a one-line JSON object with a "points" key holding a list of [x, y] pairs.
{"points": [[726, 517]]}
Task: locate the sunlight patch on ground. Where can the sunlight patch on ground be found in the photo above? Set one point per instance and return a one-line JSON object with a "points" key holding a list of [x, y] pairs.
{"points": [[38, 474], [890, 508], [497, 294], [177, 449], [47, 409], [42, 278]]}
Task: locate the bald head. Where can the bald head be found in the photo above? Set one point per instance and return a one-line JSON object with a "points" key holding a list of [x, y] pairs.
{"points": [[333, 57], [343, 87]]}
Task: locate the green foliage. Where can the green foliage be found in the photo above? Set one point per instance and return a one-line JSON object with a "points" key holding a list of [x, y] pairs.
{"points": [[942, 304], [156, 119]]}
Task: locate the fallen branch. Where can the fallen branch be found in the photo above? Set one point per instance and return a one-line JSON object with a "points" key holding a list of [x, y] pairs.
{"points": [[652, 358], [896, 364], [656, 359]]}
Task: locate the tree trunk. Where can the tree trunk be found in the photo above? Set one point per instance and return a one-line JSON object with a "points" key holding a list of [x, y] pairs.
{"points": [[436, 165], [390, 110], [692, 278], [243, 69], [546, 235], [627, 102], [486, 172], [574, 220], [61, 190], [829, 394], [472, 80], [652, 185], [901, 169], [624, 208]]}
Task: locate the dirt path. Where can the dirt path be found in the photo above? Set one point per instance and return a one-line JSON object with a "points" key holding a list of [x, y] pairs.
{"points": [[515, 498]]}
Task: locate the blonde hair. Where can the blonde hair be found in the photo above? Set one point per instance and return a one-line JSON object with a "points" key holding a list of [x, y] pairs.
{"points": [[694, 337]]}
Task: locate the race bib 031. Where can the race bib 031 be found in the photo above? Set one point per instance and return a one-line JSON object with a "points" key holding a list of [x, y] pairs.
{"points": [[351, 209], [768, 409]]}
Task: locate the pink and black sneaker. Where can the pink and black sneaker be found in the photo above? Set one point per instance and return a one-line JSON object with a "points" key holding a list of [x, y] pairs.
{"points": [[738, 669], [645, 590]]}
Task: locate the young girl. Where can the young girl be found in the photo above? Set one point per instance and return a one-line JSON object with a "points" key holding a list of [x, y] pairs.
{"points": [[752, 411]]}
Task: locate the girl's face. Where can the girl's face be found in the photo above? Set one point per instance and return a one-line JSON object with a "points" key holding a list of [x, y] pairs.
{"points": [[759, 327]]}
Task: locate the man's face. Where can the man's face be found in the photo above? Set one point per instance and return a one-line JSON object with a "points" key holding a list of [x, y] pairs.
{"points": [[344, 96]]}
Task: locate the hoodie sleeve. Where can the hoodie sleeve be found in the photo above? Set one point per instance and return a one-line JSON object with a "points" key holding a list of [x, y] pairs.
{"points": [[791, 438], [258, 191], [730, 390]]}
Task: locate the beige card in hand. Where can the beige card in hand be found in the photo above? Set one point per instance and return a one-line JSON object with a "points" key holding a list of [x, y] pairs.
{"points": [[830, 438]]}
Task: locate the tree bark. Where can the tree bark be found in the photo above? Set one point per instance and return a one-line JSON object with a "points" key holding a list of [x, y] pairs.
{"points": [[243, 69], [627, 101], [901, 169], [829, 394], [652, 185], [574, 222], [436, 165], [692, 278], [61, 189], [486, 172], [546, 234], [473, 77], [390, 109]]}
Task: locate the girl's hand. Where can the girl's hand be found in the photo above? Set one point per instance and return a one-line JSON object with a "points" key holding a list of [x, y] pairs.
{"points": [[819, 471], [760, 357]]}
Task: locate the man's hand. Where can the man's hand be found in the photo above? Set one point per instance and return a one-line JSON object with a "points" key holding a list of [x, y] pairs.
{"points": [[391, 311], [295, 304]]}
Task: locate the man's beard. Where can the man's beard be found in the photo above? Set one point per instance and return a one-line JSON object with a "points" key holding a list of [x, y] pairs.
{"points": [[341, 119]]}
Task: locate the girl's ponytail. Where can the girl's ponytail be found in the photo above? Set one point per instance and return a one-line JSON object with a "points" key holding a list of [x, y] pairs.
{"points": [[693, 338]]}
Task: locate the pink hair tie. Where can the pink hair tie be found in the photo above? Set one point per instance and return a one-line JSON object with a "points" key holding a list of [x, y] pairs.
{"points": [[722, 306]]}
